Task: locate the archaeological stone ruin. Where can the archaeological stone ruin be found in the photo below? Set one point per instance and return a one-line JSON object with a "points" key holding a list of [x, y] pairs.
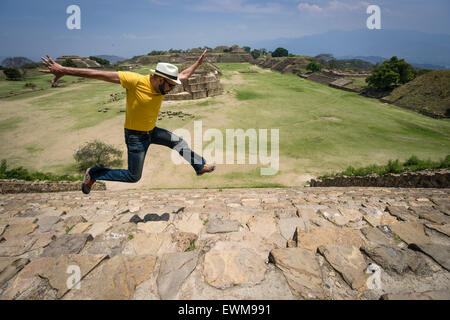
{"points": [[203, 83]]}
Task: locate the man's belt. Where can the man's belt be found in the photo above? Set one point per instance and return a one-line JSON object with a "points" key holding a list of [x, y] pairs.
{"points": [[129, 131]]}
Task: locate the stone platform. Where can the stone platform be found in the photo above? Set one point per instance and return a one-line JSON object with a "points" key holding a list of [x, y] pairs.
{"points": [[300, 243]]}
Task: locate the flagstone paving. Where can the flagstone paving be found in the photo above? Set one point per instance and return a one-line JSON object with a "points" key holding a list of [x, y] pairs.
{"points": [[279, 243]]}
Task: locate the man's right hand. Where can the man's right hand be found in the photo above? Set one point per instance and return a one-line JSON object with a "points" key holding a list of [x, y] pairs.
{"points": [[53, 68]]}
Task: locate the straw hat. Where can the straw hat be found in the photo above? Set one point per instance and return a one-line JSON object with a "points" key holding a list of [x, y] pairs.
{"points": [[167, 70]]}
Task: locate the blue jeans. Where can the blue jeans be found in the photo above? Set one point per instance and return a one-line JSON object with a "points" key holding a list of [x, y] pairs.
{"points": [[137, 145]]}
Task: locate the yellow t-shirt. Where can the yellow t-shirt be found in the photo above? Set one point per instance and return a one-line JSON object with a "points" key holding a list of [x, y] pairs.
{"points": [[143, 102]]}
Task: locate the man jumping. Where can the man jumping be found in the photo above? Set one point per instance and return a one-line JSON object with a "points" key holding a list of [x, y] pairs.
{"points": [[145, 94]]}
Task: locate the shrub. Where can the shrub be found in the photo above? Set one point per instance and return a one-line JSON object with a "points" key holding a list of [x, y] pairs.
{"points": [[412, 161], [313, 66], [445, 163], [97, 153], [393, 166], [30, 85]]}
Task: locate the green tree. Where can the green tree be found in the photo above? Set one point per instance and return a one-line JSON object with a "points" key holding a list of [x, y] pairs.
{"points": [[255, 53], [103, 62], [314, 67], [247, 49], [12, 74], [97, 153], [391, 73], [280, 52], [69, 63], [156, 53]]}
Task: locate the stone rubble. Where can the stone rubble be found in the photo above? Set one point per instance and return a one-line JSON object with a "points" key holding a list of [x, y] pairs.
{"points": [[279, 243]]}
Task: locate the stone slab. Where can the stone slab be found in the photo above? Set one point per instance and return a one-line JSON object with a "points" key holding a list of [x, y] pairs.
{"points": [[302, 271]]}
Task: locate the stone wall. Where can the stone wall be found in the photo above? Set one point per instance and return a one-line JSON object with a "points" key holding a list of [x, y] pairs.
{"points": [[320, 77], [22, 186], [188, 57], [196, 87], [417, 179]]}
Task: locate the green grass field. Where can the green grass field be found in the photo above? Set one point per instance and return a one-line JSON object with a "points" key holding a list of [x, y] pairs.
{"points": [[321, 129]]}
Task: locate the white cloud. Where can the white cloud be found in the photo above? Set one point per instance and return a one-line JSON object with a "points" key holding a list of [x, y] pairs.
{"points": [[352, 6], [309, 7], [333, 6]]}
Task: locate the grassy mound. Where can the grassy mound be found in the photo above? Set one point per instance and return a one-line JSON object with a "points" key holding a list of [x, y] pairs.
{"points": [[393, 166], [429, 93]]}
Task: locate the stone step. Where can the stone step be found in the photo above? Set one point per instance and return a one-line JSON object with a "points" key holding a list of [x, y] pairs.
{"points": [[275, 243]]}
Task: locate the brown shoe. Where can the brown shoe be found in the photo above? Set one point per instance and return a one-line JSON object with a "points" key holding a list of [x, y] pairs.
{"points": [[205, 169], [87, 182]]}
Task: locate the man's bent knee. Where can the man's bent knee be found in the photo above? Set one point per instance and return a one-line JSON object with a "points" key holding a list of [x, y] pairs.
{"points": [[134, 178]]}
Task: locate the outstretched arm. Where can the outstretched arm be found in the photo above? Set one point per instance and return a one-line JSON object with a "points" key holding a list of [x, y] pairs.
{"points": [[185, 74], [59, 71]]}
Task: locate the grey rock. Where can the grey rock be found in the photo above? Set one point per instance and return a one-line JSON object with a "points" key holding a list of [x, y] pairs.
{"points": [[430, 214], [348, 261], [174, 269], [73, 220], [402, 213], [16, 246], [371, 211], [105, 244], [444, 229], [66, 244], [221, 226], [52, 212], [301, 269], [397, 260], [46, 223], [439, 252], [376, 236], [38, 289], [29, 213], [9, 267]]}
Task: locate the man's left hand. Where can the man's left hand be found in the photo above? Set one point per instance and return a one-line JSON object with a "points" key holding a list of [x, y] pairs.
{"points": [[200, 60]]}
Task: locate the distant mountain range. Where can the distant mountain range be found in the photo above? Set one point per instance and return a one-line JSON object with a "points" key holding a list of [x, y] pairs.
{"points": [[415, 47], [14, 62], [375, 59], [371, 59]]}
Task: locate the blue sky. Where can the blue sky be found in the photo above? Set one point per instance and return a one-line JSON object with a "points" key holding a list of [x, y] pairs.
{"points": [[126, 28]]}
